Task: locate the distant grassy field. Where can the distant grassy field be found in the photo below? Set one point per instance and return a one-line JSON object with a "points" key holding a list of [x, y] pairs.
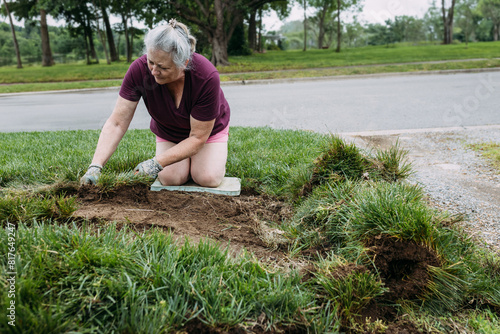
{"points": [[298, 63]]}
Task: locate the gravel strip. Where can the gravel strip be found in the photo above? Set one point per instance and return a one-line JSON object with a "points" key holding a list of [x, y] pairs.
{"points": [[455, 177]]}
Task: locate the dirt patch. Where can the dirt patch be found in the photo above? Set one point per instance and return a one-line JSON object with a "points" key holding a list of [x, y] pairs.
{"points": [[402, 266], [235, 221]]}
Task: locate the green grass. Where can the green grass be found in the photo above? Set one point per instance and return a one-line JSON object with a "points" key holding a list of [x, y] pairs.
{"points": [[368, 55], [280, 64], [491, 151], [89, 277], [103, 281]]}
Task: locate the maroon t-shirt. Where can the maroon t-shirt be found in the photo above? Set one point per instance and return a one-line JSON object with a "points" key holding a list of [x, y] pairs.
{"points": [[202, 98]]}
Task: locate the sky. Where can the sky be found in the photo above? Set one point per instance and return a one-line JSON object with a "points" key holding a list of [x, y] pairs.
{"points": [[374, 11]]}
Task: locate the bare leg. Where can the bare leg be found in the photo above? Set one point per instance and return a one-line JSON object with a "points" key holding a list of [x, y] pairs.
{"points": [[208, 166], [174, 174]]}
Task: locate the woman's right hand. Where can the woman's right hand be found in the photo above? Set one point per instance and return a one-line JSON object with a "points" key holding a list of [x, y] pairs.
{"points": [[92, 175]]}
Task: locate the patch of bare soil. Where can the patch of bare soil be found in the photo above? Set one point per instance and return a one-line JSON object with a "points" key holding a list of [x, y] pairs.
{"points": [[402, 266], [234, 221]]}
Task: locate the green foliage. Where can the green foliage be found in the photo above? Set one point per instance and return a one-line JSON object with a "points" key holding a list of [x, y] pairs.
{"points": [[352, 287], [114, 281], [339, 161], [238, 44], [29, 207]]}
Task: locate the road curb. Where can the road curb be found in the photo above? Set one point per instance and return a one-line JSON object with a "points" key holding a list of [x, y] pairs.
{"points": [[357, 76], [422, 130]]}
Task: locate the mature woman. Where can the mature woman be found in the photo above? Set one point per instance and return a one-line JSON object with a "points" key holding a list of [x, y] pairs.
{"points": [[189, 114]]}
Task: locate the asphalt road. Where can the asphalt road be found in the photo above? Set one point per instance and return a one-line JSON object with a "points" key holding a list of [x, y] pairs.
{"points": [[339, 105]]}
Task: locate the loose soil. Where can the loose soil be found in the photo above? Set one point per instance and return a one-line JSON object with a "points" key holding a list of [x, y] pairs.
{"points": [[241, 222], [402, 266]]}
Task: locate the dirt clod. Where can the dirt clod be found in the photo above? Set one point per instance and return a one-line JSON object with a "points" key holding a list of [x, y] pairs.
{"points": [[402, 266]]}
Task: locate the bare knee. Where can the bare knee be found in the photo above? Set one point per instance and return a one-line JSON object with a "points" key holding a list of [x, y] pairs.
{"points": [[208, 180], [173, 178]]}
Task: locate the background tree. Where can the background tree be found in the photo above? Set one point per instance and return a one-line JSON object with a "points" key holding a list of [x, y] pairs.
{"points": [[345, 6], [433, 23], [104, 6], [447, 12], [78, 16], [491, 10], [280, 7], [31, 10], [324, 18], [304, 6], [217, 19], [14, 38], [466, 19], [127, 10]]}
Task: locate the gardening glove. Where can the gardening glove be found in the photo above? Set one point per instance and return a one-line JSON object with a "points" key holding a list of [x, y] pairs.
{"points": [[92, 175], [149, 167]]}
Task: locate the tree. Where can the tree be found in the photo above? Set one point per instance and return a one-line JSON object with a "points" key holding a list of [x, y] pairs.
{"points": [[79, 17], [325, 16], [281, 9], [13, 30], [433, 23], [104, 4], [29, 10], [304, 5], [491, 10], [342, 6], [98, 7], [127, 10], [47, 59], [217, 19], [467, 18], [447, 13]]}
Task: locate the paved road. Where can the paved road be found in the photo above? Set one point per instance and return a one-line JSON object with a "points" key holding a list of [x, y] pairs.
{"points": [[339, 105]]}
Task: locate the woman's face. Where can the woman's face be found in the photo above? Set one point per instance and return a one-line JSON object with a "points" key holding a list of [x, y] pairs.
{"points": [[163, 68]]}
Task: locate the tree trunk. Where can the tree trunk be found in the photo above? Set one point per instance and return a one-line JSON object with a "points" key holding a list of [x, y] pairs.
{"points": [[109, 34], [448, 22], [87, 51], [16, 45], [127, 41], [90, 37], [339, 32], [99, 30], [259, 46], [305, 26], [103, 42], [252, 30], [219, 40], [47, 59], [496, 29], [131, 52], [321, 33]]}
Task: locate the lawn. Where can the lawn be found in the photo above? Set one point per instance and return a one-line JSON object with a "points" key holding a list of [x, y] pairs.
{"points": [[336, 241], [279, 64]]}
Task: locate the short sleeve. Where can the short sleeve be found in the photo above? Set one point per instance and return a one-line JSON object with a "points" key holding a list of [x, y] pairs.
{"points": [[132, 86], [207, 105]]}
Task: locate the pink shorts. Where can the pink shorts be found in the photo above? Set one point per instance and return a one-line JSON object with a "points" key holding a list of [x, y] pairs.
{"points": [[220, 137]]}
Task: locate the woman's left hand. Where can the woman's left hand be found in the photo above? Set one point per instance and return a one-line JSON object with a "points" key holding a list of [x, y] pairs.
{"points": [[149, 167]]}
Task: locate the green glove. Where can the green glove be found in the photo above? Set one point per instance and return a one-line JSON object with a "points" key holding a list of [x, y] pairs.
{"points": [[92, 175], [149, 167]]}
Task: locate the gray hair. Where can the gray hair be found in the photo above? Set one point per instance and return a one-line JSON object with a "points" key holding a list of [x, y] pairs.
{"points": [[173, 38]]}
